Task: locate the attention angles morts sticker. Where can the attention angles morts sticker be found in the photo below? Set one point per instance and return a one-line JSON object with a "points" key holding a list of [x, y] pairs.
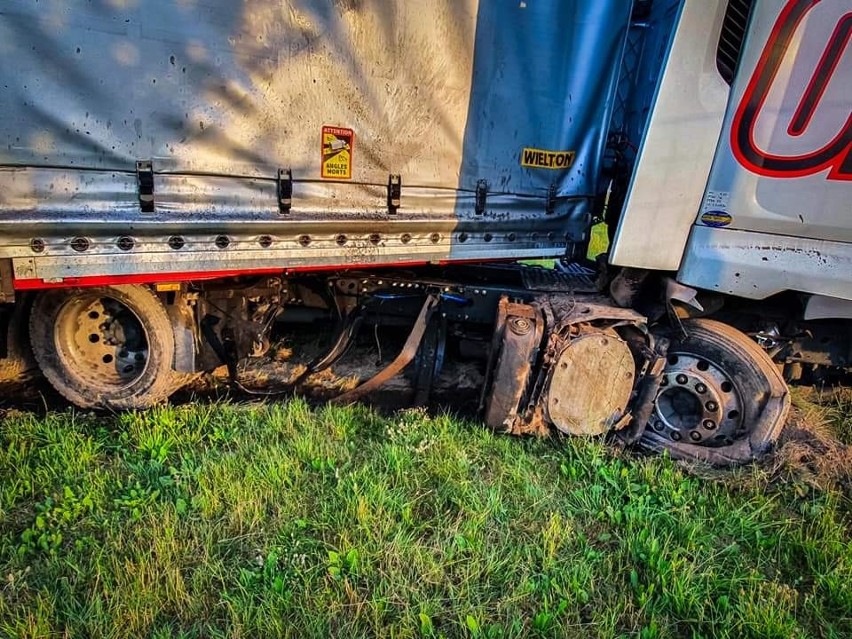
{"points": [[337, 148]]}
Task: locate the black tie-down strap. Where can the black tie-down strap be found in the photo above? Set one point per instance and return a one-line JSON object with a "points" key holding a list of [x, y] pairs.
{"points": [[406, 355]]}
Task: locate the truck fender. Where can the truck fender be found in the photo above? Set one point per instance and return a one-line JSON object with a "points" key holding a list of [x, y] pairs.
{"points": [[181, 314]]}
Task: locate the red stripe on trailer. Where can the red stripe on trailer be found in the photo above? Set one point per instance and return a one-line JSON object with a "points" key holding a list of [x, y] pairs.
{"points": [[153, 278]]}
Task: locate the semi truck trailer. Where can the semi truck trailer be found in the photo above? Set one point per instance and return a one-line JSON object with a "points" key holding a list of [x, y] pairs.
{"points": [[177, 177]]}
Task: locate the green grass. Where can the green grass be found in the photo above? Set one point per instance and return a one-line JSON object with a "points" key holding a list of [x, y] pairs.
{"points": [[828, 411], [226, 520]]}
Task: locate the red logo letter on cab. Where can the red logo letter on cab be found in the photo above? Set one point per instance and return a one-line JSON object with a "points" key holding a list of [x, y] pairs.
{"points": [[795, 118]]}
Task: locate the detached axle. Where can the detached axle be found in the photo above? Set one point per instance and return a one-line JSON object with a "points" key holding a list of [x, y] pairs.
{"points": [[558, 358]]}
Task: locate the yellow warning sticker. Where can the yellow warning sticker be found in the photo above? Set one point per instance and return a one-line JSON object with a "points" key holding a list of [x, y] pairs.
{"points": [[337, 145], [544, 159]]}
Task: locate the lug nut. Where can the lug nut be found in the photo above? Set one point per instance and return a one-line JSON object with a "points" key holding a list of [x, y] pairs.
{"points": [[709, 424], [711, 406], [700, 388], [682, 379], [676, 436]]}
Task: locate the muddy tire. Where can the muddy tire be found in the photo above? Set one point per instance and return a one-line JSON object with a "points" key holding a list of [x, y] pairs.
{"points": [[723, 401], [104, 347]]}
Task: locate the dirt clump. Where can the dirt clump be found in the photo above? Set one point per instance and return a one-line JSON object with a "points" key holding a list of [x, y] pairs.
{"points": [[814, 447]]}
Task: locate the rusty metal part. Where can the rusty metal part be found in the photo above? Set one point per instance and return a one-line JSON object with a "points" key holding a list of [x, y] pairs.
{"points": [[590, 384], [530, 388], [533, 422], [626, 286], [571, 317], [515, 347], [649, 386], [7, 290], [569, 310], [409, 350], [493, 351]]}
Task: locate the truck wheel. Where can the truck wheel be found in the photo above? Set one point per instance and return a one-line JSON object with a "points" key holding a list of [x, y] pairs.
{"points": [[722, 400], [106, 346]]}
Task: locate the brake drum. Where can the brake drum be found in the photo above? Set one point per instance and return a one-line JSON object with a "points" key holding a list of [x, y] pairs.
{"points": [[590, 385]]}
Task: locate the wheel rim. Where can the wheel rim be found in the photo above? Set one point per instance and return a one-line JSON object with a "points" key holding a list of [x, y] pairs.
{"points": [[102, 341], [698, 403]]}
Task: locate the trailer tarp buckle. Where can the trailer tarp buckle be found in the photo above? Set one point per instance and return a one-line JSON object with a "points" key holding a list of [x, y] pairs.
{"points": [[284, 188], [550, 206], [394, 192], [481, 195], [145, 184]]}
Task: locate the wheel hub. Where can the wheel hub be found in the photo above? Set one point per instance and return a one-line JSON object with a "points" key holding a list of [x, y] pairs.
{"points": [[107, 341], [697, 403], [590, 384]]}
